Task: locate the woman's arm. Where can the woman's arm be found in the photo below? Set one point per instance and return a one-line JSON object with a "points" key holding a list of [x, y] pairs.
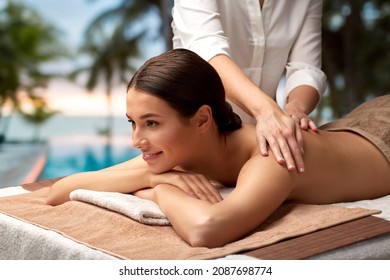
{"points": [[129, 177], [125, 177], [262, 186]]}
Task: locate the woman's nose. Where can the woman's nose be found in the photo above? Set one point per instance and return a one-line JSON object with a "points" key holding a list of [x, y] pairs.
{"points": [[138, 140]]}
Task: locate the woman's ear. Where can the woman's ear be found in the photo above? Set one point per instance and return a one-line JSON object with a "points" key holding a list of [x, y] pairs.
{"points": [[203, 118]]}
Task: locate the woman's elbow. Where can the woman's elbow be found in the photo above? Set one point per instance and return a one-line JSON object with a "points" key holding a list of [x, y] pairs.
{"points": [[50, 201], [53, 198], [57, 194], [202, 241], [205, 233]]}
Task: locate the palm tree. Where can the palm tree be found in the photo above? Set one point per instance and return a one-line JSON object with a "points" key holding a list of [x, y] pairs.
{"points": [[26, 41], [40, 114], [113, 41]]}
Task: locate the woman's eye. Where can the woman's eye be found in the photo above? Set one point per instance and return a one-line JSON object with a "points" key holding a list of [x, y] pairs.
{"points": [[151, 123], [132, 123]]}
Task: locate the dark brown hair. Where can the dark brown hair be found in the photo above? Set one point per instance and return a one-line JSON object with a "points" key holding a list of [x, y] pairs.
{"points": [[186, 82]]}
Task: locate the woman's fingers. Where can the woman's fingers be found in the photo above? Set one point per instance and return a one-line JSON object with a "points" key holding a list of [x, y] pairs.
{"points": [[203, 188], [195, 185]]}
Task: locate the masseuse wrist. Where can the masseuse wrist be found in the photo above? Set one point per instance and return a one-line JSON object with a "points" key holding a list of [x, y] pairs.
{"points": [[264, 108], [295, 105]]}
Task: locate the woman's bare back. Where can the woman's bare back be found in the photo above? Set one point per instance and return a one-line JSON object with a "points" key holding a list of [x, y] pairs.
{"points": [[341, 166]]}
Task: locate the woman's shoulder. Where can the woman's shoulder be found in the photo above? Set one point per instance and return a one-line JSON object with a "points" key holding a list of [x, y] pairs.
{"points": [[245, 139], [249, 130]]}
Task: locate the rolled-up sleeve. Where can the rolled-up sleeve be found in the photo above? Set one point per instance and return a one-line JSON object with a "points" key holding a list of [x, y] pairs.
{"points": [[299, 73], [304, 63], [196, 26]]}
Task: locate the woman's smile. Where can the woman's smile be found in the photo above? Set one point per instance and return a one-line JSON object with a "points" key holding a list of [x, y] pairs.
{"points": [[151, 157]]}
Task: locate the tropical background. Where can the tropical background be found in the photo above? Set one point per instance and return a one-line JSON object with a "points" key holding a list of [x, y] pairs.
{"points": [[64, 67]]}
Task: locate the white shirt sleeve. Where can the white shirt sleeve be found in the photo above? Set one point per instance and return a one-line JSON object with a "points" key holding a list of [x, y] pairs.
{"points": [[196, 26], [259, 44], [304, 63]]}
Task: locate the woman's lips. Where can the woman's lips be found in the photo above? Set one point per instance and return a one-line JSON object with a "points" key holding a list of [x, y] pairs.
{"points": [[148, 157]]}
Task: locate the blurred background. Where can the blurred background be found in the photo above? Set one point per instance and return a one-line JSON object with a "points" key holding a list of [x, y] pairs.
{"points": [[65, 65]]}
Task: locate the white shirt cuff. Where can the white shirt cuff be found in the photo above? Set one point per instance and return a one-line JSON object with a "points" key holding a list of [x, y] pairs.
{"points": [[299, 74]]}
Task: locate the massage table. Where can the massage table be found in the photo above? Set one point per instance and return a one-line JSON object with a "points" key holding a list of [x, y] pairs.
{"points": [[363, 238]]}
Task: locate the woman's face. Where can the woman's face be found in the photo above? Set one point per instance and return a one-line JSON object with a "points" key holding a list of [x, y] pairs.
{"points": [[163, 137]]}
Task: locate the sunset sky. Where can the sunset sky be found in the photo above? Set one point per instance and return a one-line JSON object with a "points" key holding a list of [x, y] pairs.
{"points": [[71, 17]]}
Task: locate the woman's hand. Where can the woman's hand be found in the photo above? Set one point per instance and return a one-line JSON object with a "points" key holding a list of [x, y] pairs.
{"points": [[195, 185]]}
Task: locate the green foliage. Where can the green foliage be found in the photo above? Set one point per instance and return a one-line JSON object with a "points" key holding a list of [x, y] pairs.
{"points": [[356, 57], [40, 114], [26, 41], [112, 40]]}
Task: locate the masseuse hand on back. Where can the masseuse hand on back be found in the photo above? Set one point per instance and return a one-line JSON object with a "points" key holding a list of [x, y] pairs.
{"points": [[282, 134], [280, 130], [302, 101]]}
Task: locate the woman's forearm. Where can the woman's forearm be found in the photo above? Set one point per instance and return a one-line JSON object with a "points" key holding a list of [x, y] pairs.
{"points": [[239, 88], [121, 180], [200, 223], [304, 98], [185, 213]]}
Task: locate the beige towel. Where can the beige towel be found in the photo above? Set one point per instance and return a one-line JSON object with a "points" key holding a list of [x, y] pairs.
{"points": [[138, 209], [371, 120], [125, 238]]}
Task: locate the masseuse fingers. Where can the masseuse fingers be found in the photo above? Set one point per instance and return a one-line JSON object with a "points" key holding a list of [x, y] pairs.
{"points": [[263, 145], [275, 147], [304, 123], [291, 146], [285, 150], [312, 125], [299, 140], [298, 149]]}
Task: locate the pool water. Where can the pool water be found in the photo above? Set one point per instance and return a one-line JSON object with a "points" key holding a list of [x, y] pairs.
{"points": [[69, 155]]}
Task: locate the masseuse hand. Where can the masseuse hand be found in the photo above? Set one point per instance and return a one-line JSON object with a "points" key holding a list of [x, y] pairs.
{"points": [[195, 185], [283, 136], [300, 117]]}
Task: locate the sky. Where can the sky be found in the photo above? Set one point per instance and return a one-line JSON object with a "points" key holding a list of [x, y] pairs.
{"points": [[72, 17]]}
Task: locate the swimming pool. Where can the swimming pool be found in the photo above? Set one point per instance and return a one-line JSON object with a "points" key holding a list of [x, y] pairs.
{"points": [[68, 155]]}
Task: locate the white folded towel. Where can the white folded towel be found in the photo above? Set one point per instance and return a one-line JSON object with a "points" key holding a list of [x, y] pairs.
{"points": [[142, 210]]}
